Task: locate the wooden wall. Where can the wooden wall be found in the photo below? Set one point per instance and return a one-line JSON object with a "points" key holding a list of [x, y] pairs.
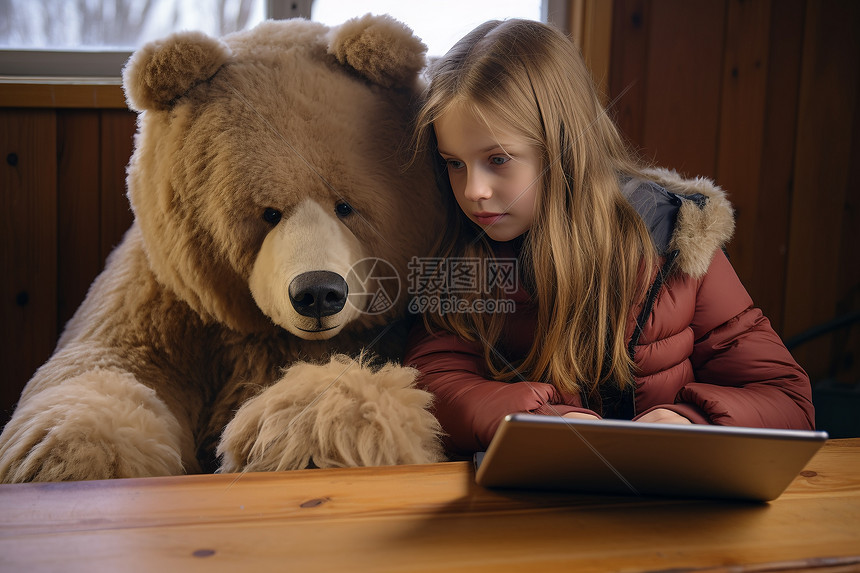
{"points": [[762, 96], [63, 205]]}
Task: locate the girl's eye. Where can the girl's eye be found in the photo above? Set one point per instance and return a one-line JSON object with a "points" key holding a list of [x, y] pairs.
{"points": [[454, 164], [499, 159], [343, 209], [272, 216]]}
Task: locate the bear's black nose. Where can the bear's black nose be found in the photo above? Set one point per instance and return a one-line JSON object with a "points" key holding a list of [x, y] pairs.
{"points": [[318, 293]]}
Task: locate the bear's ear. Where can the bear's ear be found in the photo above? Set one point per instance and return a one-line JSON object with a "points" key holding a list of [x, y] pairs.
{"points": [[380, 48], [162, 71]]}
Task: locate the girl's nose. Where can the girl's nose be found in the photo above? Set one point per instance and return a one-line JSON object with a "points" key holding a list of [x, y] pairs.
{"points": [[477, 188]]}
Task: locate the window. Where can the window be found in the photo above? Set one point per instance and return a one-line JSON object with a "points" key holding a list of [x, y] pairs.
{"points": [[118, 24], [94, 38], [439, 23]]}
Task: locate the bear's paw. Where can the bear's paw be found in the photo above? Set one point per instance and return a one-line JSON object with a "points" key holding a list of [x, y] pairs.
{"points": [[340, 414], [98, 425]]}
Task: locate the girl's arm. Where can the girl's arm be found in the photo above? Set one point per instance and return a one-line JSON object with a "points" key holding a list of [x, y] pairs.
{"points": [[744, 374], [468, 405]]}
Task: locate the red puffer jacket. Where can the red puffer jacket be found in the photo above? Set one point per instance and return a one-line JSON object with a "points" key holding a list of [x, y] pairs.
{"points": [[703, 350]]}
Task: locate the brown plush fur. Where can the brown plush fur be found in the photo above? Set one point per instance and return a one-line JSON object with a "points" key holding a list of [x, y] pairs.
{"points": [[700, 231], [190, 326], [318, 405]]}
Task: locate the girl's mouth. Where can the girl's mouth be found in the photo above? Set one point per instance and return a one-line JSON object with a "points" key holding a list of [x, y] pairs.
{"points": [[488, 218]]}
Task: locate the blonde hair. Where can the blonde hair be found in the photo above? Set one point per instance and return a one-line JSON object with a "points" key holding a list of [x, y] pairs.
{"points": [[587, 250]]}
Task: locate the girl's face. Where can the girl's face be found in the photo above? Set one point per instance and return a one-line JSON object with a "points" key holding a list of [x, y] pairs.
{"points": [[495, 174]]}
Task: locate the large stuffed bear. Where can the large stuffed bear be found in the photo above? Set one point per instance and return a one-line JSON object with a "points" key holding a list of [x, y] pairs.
{"points": [[251, 317]]}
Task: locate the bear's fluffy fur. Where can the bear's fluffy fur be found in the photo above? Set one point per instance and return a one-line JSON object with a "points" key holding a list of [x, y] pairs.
{"points": [[268, 155]]}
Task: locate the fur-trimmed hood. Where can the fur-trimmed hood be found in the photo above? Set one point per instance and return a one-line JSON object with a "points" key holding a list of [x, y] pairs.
{"points": [[691, 216]]}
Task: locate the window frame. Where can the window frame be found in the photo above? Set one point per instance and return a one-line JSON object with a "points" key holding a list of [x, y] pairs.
{"points": [[94, 66]]}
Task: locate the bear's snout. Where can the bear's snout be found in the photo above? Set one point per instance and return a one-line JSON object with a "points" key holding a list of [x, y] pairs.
{"points": [[318, 293]]}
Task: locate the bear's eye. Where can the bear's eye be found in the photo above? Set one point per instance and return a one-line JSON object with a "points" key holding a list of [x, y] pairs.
{"points": [[343, 209], [271, 216]]}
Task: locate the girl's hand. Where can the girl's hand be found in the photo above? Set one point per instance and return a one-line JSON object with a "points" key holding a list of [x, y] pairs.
{"points": [[580, 416], [663, 416]]}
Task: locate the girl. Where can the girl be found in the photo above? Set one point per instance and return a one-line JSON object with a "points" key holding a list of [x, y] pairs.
{"points": [[624, 304]]}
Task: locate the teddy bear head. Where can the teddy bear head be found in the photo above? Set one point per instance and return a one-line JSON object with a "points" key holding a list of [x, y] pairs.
{"points": [[271, 178]]}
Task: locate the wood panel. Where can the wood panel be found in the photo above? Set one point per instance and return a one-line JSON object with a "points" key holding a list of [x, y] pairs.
{"points": [[65, 208], [828, 103], [682, 91], [591, 28], [117, 142], [628, 68], [48, 93], [78, 199], [845, 369], [741, 124], [766, 280], [28, 235], [847, 341], [776, 127]]}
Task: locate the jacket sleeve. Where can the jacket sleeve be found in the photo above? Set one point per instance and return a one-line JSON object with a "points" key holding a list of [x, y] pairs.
{"points": [[467, 404], [744, 374]]}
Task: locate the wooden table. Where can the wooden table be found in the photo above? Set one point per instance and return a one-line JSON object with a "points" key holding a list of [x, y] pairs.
{"points": [[423, 518]]}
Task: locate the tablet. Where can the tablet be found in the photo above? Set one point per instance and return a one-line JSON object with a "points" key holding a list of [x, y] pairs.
{"points": [[636, 458]]}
